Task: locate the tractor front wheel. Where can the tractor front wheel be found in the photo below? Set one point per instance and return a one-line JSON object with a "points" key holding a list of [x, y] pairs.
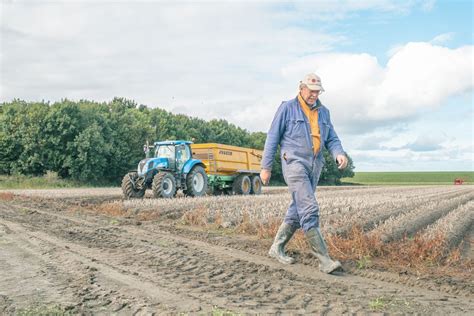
{"points": [[196, 182], [128, 187], [164, 185]]}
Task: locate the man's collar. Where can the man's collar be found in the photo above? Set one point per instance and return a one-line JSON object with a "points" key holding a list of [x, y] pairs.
{"points": [[315, 106]]}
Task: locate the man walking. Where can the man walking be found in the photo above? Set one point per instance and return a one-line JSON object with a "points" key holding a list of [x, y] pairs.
{"points": [[302, 126]]}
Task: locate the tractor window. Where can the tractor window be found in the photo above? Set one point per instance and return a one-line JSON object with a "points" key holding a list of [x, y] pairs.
{"points": [[182, 155], [165, 151]]}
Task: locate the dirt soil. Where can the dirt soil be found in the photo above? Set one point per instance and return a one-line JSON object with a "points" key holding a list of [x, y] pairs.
{"points": [[60, 255]]}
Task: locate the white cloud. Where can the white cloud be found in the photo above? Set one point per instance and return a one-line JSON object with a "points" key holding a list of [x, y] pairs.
{"points": [[442, 38], [421, 145], [450, 157], [394, 49], [428, 5], [418, 77], [195, 58], [424, 144], [338, 9]]}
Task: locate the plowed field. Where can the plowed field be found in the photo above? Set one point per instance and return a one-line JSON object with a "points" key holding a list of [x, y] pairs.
{"points": [[90, 252]]}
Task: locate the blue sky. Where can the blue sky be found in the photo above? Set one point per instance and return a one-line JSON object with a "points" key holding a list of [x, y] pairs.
{"points": [[398, 74], [377, 33]]}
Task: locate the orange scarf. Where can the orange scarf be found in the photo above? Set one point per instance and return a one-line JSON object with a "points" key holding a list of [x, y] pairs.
{"points": [[313, 123]]}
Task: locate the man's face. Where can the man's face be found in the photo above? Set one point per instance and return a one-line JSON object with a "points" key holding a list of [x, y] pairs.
{"points": [[309, 96]]}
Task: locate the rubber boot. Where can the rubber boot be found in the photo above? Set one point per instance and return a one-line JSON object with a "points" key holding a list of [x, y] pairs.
{"points": [[277, 251], [318, 246]]}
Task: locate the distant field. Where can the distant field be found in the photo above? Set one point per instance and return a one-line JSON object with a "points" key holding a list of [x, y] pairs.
{"points": [[400, 178]]}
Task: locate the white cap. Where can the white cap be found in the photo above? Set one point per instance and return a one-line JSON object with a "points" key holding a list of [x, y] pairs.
{"points": [[312, 81]]}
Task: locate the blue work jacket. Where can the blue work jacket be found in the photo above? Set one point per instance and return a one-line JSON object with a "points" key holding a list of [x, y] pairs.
{"points": [[291, 130]]}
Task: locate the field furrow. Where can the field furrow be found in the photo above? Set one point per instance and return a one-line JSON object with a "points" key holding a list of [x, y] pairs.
{"points": [[453, 227], [410, 222]]}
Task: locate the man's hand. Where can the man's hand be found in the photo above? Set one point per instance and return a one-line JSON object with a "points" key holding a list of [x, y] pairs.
{"points": [[265, 176], [341, 161]]}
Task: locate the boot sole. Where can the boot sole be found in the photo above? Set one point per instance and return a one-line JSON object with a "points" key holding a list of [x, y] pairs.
{"points": [[277, 257], [338, 268]]}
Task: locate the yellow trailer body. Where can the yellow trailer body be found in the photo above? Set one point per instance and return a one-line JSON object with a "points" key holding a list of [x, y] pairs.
{"points": [[228, 160]]}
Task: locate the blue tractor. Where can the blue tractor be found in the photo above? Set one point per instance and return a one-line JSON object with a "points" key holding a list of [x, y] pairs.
{"points": [[169, 167]]}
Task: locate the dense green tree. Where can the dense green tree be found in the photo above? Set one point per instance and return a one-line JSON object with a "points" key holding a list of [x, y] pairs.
{"points": [[331, 174], [62, 124], [26, 130], [126, 130], [88, 161], [10, 147]]}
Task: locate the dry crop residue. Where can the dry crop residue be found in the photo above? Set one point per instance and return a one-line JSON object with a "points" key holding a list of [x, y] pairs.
{"points": [[94, 253]]}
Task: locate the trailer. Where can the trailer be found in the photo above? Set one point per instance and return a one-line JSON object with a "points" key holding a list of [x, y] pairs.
{"points": [[230, 169]]}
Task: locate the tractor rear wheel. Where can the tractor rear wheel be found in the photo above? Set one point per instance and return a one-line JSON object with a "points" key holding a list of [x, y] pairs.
{"points": [[256, 185], [196, 182], [242, 185], [128, 188], [164, 185]]}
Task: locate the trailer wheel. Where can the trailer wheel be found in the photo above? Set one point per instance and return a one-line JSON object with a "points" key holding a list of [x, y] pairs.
{"points": [[256, 185], [164, 185], [196, 182], [242, 185], [128, 189]]}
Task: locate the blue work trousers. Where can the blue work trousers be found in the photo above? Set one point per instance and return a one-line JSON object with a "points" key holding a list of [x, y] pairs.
{"points": [[302, 180]]}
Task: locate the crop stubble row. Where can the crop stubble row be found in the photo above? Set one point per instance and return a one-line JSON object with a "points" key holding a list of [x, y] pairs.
{"points": [[392, 212]]}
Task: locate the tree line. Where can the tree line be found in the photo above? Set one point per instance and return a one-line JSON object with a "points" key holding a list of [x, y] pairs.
{"points": [[99, 143]]}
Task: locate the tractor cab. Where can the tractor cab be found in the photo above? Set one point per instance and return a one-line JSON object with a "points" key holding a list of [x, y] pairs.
{"points": [[176, 155], [166, 155]]}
